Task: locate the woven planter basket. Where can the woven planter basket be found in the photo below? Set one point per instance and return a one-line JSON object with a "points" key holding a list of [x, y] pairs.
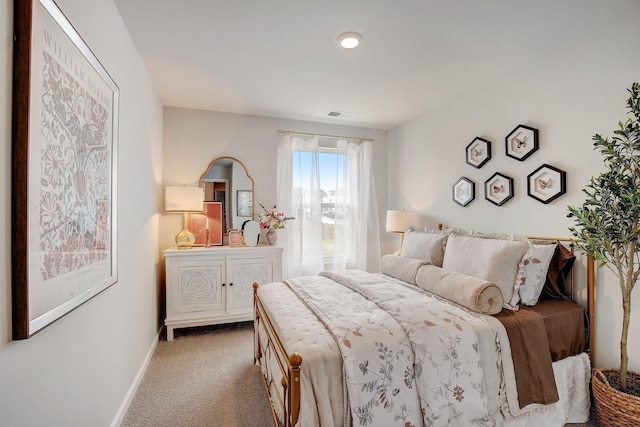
{"points": [[613, 407]]}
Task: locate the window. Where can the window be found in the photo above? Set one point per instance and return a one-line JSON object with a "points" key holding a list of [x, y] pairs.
{"points": [[330, 167], [327, 184]]}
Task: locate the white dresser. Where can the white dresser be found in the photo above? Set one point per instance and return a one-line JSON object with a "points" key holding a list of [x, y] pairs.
{"points": [[207, 286]]}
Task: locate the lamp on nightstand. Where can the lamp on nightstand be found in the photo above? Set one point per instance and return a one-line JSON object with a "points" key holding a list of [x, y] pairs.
{"points": [[184, 200], [399, 221]]}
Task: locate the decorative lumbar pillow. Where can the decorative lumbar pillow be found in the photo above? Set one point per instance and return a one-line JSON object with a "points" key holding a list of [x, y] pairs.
{"points": [[534, 273], [475, 294], [428, 246], [400, 267], [495, 258]]}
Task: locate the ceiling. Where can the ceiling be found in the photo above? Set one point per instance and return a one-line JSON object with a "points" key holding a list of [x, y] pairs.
{"points": [[280, 58]]}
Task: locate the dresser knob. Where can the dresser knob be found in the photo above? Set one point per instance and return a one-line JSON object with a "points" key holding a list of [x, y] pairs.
{"points": [[230, 284], [224, 284]]}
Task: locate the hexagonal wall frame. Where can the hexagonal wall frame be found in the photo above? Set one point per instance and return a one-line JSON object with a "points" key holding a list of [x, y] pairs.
{"points": [[521, 142], [546, 183], [498, 189], [478, 152], [463, 191]]}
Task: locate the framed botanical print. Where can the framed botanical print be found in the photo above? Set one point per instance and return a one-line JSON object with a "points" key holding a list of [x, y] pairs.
{"points": [[498, 189], [64, 157], [546, 183]]}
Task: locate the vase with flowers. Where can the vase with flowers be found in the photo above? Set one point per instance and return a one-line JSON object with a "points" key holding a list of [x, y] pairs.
{"points": [[273, 220]]}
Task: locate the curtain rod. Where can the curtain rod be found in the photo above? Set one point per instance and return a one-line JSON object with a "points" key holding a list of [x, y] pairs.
{"points": [[287, 132]]}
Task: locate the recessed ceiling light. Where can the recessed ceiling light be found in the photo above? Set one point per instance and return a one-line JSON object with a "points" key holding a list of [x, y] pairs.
{"points": [[350, 40]]}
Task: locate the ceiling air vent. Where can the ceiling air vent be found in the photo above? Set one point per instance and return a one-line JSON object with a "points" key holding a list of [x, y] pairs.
{"points": [[340, 114]]}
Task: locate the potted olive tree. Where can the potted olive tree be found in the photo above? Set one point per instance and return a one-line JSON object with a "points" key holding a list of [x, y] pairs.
{"points": [[607, 227]]}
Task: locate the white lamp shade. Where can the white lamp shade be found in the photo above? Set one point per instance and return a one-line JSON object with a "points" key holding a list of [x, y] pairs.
{"points": [[183, 199], [399, 221]]}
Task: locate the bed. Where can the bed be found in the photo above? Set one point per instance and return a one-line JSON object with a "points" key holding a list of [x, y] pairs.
{"points": [[458, 329]]}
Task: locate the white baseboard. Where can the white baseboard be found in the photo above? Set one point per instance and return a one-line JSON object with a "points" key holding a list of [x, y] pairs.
{"points": [[124, 406]]}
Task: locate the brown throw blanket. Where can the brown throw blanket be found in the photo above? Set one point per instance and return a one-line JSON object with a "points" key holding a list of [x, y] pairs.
{"points": [[531, 358]]}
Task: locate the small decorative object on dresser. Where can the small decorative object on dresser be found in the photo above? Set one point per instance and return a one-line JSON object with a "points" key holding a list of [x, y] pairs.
{"points": [[272, 237], [478, 152], [207, 226], [498, 189], [521, 142], [235, 237], [251, 233], [273, 220], [207, 286]]}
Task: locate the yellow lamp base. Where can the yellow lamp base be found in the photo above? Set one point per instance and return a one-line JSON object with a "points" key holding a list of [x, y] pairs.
{"points": [[185, 239]]}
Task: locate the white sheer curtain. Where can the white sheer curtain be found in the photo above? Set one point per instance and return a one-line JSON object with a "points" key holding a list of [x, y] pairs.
{"points": [[355, 222]]}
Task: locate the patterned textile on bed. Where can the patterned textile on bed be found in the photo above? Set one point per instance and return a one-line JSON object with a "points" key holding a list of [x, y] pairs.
{"points": [[411, 358]]}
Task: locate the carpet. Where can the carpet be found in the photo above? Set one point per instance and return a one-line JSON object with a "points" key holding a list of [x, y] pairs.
{"points": [[204, 377]]}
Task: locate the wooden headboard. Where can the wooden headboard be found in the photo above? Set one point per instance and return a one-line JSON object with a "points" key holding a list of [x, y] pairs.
{"points": [[590, 287]]}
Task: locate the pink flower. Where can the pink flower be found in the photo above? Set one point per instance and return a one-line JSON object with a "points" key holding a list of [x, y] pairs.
{"points": [[273, 219]]}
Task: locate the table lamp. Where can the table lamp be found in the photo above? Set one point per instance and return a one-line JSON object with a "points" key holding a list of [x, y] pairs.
{"points": [[398, 221], [184, 200]]}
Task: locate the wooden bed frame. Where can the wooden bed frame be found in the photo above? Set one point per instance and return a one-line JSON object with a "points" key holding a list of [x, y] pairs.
{"points": [[290, 368]]}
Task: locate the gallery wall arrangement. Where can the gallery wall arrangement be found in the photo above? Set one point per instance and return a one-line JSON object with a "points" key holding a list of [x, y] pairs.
{"points": [[545, 183]]}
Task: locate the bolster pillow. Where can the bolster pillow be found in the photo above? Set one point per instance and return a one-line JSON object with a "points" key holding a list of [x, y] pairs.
{"points": [[401, 267], [475, 294]]}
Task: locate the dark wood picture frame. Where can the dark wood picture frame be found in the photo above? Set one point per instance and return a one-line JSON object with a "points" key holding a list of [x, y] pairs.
{"points": [[478, 152], [498, 189], [64, 160], [546, 183], [521, 142]]}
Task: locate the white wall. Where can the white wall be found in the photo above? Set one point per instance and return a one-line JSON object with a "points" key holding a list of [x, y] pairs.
{"points": [[78, 371], [569, 94], [193, 138]]}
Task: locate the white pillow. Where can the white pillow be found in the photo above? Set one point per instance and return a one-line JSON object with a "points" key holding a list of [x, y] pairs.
{"points": [[428, 246], [497, 259], [534, 273]]}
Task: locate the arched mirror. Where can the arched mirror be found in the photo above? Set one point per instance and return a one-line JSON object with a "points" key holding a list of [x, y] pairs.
{"points": [[226, 180]]}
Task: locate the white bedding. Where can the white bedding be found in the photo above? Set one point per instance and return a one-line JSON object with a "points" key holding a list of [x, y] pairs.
{"points": [[322, 389]]}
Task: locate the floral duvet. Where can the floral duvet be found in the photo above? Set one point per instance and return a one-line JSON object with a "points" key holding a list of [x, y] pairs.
{"points": [[409, 358]]}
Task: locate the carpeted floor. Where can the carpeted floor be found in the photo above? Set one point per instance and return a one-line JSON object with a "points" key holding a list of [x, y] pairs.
{"points": [[205, 378]]}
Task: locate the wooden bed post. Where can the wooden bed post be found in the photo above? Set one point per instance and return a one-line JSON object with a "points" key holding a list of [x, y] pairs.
{"points": [[289, 365], [295, 360], [256, 321]]}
